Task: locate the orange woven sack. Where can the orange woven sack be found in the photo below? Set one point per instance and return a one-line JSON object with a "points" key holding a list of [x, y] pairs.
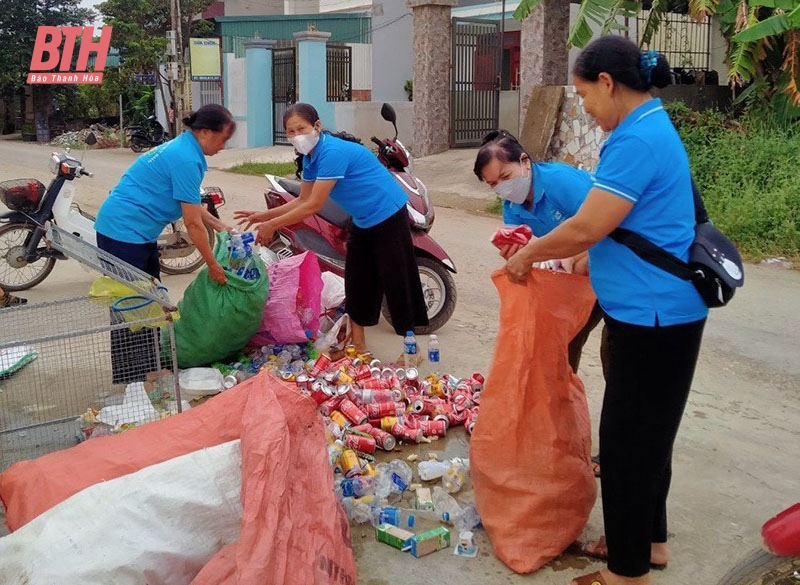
{"points": [[530, 451]]}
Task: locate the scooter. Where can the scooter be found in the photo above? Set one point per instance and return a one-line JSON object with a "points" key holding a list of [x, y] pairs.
{"points": [[141, 138], [778, 563], [26, 258], [326, 232]]}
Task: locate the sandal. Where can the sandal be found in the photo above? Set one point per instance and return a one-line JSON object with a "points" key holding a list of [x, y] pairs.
{"points": [[7, 300], [596, 465], [595, 578], [586, 549]]}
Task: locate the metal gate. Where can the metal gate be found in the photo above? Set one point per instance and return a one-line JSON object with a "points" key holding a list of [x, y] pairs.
{"points": [[475, 81], [340, 73], [284, 89]]}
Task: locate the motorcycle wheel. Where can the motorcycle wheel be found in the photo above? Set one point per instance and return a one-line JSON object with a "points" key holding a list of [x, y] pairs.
{"points": [[763, 568], [136, 147], [439, 290], [16, 273], [190, 262]]}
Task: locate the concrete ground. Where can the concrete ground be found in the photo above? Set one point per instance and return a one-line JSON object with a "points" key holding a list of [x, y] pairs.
{"points": [[735, 462]]}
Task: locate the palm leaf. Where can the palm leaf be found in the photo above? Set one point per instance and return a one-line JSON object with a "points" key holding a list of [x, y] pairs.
{"points": [[791, 65], [596, 11], [621, 8], [775, 25], [653, 22], [702, 9], [742, 57], [525, 8]]}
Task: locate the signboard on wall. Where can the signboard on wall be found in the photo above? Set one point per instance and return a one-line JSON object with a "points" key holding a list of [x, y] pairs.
{"points": [[205, 58]]}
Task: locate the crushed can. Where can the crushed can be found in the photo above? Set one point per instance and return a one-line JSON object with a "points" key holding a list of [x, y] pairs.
{"points": [[471, 419], [322, 363]]}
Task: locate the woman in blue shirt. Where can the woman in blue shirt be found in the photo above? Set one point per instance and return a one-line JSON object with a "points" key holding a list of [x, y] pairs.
{"points": [[162, 186], [654, 320], [541, 195], [380, 256]]}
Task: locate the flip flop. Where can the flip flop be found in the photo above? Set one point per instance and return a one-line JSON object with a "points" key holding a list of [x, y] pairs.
{"points": [[595, 578], [596, 464], [604, 556], [7, 300]]}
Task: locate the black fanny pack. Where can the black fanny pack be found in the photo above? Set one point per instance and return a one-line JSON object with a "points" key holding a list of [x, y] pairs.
{"points": [[715, 267]]}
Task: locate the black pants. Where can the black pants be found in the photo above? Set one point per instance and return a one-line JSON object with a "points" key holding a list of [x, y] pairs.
{"points": [[380, 261], [650, 371], [577, 343], [133, 354]]}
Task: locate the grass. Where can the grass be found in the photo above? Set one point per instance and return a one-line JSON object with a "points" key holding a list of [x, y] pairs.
{"points": [[495, 207], [260, 169]]}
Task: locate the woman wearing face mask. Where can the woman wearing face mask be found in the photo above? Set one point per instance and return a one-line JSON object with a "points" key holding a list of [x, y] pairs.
{"points": [[380, 256], [541, 195], [654, 320]]}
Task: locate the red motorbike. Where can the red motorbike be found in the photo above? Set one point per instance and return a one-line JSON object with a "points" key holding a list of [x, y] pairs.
{"points": [[326, 232], [778, 563]]}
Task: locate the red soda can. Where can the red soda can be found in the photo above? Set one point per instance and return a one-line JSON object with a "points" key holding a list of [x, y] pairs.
{"points": [[457, 418], [360, 443], [320, 392], [330, 405], [362, 372], [323, 363], [433, 428], [374, 422], [381, 409], [353, 413], [365, 428], [417, 405], [443, 418], [387, 373], [462, 399], [476, 397], [477, 381], [472, 418], [383, 439], [375, 384], [412, 378], [303, 382], [341, 364], [406, 434]]}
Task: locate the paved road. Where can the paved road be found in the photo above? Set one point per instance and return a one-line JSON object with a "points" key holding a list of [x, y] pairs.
{"points": [[737, 453]]}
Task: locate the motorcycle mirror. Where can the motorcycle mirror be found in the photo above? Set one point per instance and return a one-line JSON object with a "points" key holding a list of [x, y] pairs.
{"points": [[90, 139], [388, 114]]}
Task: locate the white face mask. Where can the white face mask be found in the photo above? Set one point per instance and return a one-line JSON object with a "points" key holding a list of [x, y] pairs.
{"points": [[515, 190], [305, 143]]}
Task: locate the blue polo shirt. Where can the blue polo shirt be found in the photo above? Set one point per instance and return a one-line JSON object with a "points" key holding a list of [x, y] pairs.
{"points": [[558, 192], [644, 162], [150, 193], [364, 188]]}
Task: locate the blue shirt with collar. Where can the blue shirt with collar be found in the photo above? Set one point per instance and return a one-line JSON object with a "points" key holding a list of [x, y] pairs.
{"points": [[364, 188], [644, 162], [150, 193], [558, 192]]}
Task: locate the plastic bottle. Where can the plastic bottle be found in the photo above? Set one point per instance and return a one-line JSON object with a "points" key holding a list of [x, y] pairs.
{"points": [[401, 474], [404, 517], [429, 470], [409, 350], [468, 519], [433, 354], [354, 487], [444, 503], [456, 475]]}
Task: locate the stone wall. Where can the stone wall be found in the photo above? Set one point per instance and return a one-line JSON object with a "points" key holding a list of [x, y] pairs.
{"points": [[577, 139]]}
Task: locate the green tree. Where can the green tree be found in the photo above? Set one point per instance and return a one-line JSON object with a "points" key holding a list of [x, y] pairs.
{"points": [[19, 21]]}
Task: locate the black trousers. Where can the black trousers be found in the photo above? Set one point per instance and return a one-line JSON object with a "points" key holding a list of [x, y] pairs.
{"points": [[649, 374], [577, 343], [380, 261]]}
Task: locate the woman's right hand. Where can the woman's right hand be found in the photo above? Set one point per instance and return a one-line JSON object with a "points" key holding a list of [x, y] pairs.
{"points": [[217, 273], [248, 218]]}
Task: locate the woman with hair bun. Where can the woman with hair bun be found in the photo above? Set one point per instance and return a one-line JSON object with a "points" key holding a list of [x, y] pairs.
{"points": [[162, 186], [654, 320]]}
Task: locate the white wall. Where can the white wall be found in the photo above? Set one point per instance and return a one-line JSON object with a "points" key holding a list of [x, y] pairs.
{"points": [[362, 65], [363, 119], [342, 5], [392, 49], [236, 94], [251, 7]]}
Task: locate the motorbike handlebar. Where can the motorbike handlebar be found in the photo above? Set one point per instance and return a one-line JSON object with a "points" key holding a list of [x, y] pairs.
{"points": [[87, 173], [377, 141]]}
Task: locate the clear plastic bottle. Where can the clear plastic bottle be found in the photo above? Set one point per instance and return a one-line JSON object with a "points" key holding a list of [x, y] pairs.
{"points": [[444, 503], [354, 487], [468, 519], [404, 517], [430, 470], [409, 350], [433, 355], [401, 474], [456, 475]]}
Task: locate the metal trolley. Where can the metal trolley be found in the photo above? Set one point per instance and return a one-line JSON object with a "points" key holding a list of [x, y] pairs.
{"points": [[86, 366]]}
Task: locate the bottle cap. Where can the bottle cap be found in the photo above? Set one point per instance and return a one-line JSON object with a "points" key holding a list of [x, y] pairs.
{"points": [[409, 333], [411, 521]]}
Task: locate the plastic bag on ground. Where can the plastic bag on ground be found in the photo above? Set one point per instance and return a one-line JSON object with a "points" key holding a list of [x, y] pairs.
{"points": [[294, 301], [126, 531], [284, 462], [218, 320], [530, 451], [198, 382], [332, 295]]}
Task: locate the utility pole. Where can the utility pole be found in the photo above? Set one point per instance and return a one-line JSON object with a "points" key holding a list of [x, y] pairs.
{"points": [[175, 71]]}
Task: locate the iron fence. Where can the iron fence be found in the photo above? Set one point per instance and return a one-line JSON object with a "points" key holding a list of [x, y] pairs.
{"points": [[685, 42], [339, 65], [284, 89]]}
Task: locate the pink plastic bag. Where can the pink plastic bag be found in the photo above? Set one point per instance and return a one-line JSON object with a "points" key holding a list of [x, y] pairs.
{"points": [[293, 307], [519, 235]]}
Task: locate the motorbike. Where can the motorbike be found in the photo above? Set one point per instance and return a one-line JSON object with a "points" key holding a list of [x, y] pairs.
{"points": [[325, 233], [778, 563], [141, 138], [26, 258]]}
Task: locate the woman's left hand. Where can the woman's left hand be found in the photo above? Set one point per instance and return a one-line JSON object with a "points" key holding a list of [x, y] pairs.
{"points": [[264, 233], [518, 267]]}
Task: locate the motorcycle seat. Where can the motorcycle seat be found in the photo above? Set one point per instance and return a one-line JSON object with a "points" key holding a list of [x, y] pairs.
{"points": [[330, 212]]}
